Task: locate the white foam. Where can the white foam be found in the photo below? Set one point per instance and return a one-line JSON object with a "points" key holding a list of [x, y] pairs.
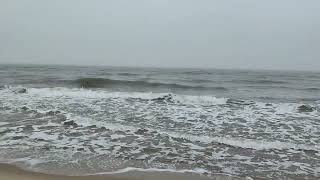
{"points": [[3, 123], [42, 135], [131, 169], [193, 146], [198, 171], [98, 94], [203, 100], [237, 142], [74, 101], [260, 144], [27, 160], [246, 143], [117, 136]]}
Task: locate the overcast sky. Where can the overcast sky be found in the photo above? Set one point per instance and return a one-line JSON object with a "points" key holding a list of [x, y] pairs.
{"points": [[251, 34]]}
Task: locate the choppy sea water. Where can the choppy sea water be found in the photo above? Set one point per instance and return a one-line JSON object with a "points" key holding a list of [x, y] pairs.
{"points": [[87, 120]]}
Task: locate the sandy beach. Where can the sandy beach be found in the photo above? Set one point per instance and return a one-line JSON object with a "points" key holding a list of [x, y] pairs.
{"points": [[10, 172]]}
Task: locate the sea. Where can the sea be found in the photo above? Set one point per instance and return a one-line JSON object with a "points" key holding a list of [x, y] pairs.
{"points": [[79, 120]]}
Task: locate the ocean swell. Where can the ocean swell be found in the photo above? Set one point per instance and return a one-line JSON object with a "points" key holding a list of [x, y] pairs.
{"points": [[109, 83]]}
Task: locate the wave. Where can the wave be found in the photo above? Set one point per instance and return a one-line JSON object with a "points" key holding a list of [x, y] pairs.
{"points": [[263, 81], [128, 74], [256, 144], [200, 81], [197, 73], [239, 102], [108, 83], [9, 91], [311, 89], [245, 143]]}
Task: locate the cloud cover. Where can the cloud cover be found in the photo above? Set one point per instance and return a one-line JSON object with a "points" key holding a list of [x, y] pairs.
{"points": [[247, 34]]}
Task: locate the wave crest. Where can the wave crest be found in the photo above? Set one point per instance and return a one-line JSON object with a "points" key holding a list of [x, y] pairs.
{"points": [[107, 83]]}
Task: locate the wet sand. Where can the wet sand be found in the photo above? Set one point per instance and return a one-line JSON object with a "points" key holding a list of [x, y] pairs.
{"points": [[10, 172]]}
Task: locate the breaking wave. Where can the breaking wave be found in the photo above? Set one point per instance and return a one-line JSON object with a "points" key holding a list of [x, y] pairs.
{"points": [[108, 83]]}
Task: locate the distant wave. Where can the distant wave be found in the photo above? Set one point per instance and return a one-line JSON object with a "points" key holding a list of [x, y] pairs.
{"points": [[196, 72], [128, 74], [200, 81], [105, 83], [263, 81], [311, 89], [269, 86]]}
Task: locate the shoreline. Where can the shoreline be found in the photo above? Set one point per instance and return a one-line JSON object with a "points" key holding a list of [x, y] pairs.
{"points": [[12, 172]]}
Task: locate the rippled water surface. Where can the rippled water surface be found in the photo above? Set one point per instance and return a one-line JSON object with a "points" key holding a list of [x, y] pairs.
{"points": [[80, 120]]}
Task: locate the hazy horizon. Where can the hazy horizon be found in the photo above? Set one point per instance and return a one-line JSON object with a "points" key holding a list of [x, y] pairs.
{"points": [[268, 35], [161, 67]]}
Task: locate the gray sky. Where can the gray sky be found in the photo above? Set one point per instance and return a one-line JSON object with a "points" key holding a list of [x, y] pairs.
{"points": [[269, 34]]}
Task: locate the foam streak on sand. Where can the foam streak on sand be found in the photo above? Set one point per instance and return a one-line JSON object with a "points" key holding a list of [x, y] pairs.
{"points": [[9, 172]]}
